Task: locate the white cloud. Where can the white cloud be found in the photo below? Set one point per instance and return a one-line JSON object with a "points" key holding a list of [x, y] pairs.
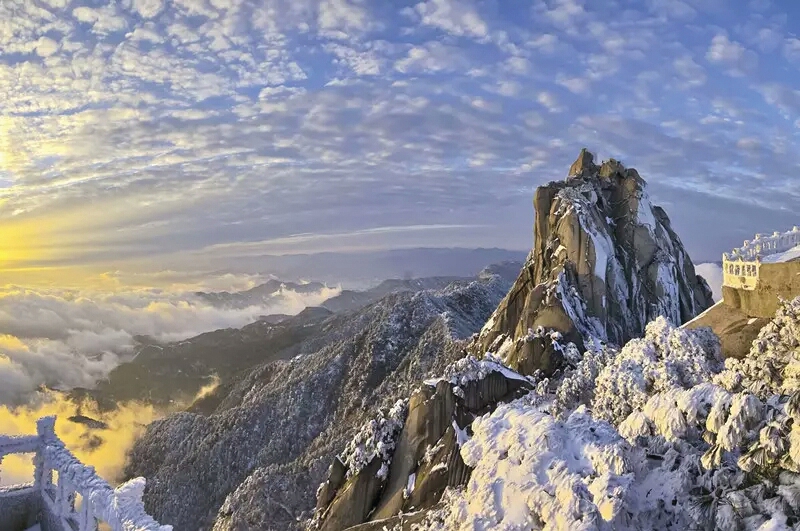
{"points": [[767, 39], [430, 57], [601, 66], [144, 33], [546, 42], [362, 63], [791, 48], [785, 99], [713, 274], [564, 14], [68, 338], [56, 4], [691, 73], [103, 20], [46, 47], [576, 85], [518, 65], [228, 121], [749, 144], [458, 17], [732, 54], [148, 8], [549, 101], [343, 15]]}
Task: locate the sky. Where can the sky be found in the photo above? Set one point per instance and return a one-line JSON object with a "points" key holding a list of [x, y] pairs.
{"points": [[147, 134]]}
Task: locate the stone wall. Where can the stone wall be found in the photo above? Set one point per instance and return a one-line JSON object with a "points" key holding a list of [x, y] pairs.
{"points": [[774, 281]]}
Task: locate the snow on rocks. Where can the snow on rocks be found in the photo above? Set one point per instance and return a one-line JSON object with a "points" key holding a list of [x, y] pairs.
{"points": [[377, 438], [531, 471], [470, 369]]}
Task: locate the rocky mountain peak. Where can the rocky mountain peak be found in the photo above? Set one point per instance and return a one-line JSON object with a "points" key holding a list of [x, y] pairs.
{"points": [[584, 165], [605, 262]]}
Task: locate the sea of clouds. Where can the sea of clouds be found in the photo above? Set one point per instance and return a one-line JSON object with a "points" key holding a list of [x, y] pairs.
{"points": [[65, 338]]}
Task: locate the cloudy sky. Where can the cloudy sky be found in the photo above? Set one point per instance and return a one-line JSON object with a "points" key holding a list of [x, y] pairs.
{"points": [[137, 132]]}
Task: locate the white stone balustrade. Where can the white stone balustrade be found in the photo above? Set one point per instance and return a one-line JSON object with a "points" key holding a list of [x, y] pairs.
{"points": [[741, 266], [121, 508]]}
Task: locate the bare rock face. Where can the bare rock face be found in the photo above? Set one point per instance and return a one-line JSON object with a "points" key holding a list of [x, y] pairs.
{"points": [[605, 262]]}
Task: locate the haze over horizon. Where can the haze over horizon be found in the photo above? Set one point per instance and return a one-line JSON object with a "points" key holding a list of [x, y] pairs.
{"points": [[145, 135]]}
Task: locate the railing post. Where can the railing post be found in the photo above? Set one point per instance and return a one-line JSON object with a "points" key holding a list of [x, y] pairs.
{"points": [[86, 522], [65, 496], [46, 430]]}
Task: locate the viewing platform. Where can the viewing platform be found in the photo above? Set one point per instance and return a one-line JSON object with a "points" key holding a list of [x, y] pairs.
{"points": [[756, 277], [65, 494], [742, 267]]}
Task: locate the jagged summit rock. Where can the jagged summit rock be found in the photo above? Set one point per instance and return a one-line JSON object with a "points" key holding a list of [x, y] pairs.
{"points": [[583, 166], [605, 262]]}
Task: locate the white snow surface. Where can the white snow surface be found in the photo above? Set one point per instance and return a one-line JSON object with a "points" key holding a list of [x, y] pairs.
{"points": [[786, 256], [470, 368]]}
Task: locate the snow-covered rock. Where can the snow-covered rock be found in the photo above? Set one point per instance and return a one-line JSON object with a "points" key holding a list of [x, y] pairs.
{"points": [[688, 446], [605, 262]]}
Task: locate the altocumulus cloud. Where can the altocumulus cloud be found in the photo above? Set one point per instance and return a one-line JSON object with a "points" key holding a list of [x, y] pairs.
{"points": [[189, 124]]}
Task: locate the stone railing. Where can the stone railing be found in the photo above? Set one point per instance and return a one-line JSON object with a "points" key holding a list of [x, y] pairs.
{"points": [[77, 499], [741, 267]]}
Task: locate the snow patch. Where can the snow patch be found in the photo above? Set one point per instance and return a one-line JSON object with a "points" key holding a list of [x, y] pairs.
{"points": [[470, 369]]}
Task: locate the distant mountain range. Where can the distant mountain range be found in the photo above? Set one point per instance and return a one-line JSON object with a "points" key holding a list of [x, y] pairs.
{"points": [[167, 373], [291, 395], [262, 295], [360, 270]]}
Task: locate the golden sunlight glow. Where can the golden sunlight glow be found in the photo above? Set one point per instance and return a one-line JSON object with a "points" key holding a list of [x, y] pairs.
{"points": [[20, 243], [104, 449]]}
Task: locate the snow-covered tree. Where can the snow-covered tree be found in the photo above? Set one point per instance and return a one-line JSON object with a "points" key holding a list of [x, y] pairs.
{"points": [[660, 435]]}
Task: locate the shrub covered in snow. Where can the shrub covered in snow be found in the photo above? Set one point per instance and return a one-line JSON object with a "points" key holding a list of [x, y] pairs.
{"points": [[578, 384], [377, 438], [666, 439], [666, 358], [773, 365]]}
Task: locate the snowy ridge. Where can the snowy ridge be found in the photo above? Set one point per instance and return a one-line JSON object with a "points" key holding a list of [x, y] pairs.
{"points": [[261, 455], [470, 369]]}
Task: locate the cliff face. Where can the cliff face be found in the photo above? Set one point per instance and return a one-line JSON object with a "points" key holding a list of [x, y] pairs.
{"points": [[605, 262]]}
